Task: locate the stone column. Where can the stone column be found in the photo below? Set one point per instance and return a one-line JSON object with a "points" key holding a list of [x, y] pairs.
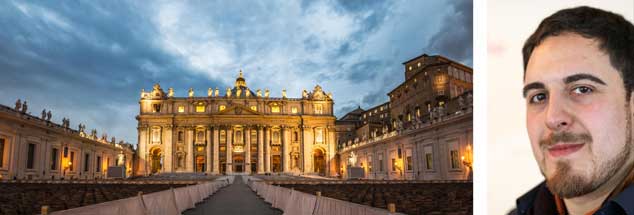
{"points": [[168, 143], [285, 153], [229, 149], [189, 141], [247, 149], [260, 151], [216, 142], [267, 147], [142, 168], [208, 146]]}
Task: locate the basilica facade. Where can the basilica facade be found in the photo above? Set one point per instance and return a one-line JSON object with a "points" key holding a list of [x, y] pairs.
{"points": [[236, 131]]}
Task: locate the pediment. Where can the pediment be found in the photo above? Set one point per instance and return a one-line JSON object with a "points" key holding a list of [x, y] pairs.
{"points": [[238, 110]]}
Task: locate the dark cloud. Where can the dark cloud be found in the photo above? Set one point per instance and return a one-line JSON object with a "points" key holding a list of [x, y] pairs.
{"points": [[455, 38], [365, 70]]}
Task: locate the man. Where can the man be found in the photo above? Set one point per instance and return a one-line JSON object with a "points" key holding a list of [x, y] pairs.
{"points": [[578, 81]]}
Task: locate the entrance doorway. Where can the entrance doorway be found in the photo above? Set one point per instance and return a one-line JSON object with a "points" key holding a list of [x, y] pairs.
{"points": [[319, 162], [276, 163], [156, 160], [238, 163], [200, 163]]}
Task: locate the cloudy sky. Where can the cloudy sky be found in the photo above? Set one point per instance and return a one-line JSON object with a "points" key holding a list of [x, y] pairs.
{"points": [[89, 60]]}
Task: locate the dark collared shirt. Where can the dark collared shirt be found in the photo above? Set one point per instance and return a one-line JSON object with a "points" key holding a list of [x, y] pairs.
{"points": [[540, 201]]}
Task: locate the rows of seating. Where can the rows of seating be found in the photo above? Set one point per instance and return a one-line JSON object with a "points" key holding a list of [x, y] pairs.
{"points": [[28, 198], [410, 198]]}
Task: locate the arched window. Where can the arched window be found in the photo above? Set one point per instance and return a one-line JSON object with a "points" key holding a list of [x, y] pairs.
{"points": [[180, 136]]}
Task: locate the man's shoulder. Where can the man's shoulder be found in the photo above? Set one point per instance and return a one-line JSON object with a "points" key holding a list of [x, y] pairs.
{"points": [[539, 199]]}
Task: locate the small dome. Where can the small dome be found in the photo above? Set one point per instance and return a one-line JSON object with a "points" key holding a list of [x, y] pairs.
{"points": [[240, 82]]}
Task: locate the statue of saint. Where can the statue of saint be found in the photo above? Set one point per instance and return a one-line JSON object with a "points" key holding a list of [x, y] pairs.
{"points": [[191, 92], [170, 92], [258, 93], [304, 94], [248, 93], [216, 92], [44, 114], [210, 92], [18, 105], [113, 140], [266, 93], [329, 95], [142, 93], [228, 92], [283, 93], [48, 116], [24, 107]]}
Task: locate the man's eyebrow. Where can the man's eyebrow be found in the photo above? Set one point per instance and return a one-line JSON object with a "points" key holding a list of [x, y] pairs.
{"points": [[583, 76], [531, 86]]}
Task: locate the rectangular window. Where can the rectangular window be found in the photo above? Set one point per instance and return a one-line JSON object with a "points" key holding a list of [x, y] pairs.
{"points": [[319, 109], [223, 137], [54, 158], [393, 164], [455, 159], [98, 169], [430, 160], [181, 109], [221, 107], [369, 164], [86, 162], [254, 108], [275, 109], [294, 110], [30, 156], [70, 162], [200, 108], [156, 108], [1, 152], [409, 162]]}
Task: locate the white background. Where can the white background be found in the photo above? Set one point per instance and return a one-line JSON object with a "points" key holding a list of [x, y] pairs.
{"points": [[511, 169]]}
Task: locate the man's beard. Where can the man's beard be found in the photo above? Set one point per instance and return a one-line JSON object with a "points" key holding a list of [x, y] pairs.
{"points": [[566, 184]]}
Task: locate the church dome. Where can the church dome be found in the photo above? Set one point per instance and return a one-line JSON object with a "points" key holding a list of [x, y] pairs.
{"points": [[240, 82]]}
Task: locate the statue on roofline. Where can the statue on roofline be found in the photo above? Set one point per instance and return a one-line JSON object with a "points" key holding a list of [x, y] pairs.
{"points": [[18, 105]]}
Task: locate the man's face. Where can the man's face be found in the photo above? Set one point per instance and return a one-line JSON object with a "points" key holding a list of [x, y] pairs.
{"points": [[577, 117]]}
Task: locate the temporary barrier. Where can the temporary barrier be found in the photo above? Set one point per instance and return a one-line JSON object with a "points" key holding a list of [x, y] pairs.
{"points": [[183, 200], [162, 202], [172, 201], [132, 205], [295, 202], [301, 203]]}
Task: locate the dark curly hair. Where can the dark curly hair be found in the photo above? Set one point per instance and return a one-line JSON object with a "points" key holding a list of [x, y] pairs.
{"points": [[613, 32]]}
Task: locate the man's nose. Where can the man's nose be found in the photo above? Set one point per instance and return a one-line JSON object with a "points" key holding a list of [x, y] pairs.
{"points": [[558, 117]]}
